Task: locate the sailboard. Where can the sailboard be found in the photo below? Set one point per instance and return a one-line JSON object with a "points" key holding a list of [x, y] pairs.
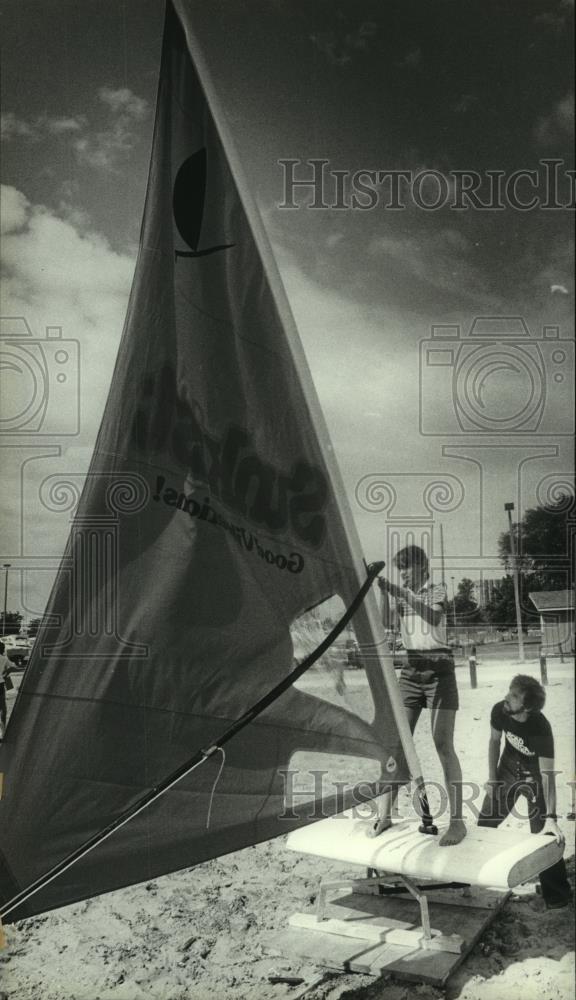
{"points": [[492, 858], [213, 515]]}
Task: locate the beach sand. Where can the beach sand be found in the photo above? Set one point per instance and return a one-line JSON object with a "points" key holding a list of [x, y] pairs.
{"points": [[201, 934]]}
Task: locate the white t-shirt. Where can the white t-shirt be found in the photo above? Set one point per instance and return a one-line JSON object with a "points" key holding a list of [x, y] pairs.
{"points": [[417, 633]]}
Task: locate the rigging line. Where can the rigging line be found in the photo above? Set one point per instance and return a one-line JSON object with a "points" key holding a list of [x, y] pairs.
{"points": [[216, 780], [199, 757]]}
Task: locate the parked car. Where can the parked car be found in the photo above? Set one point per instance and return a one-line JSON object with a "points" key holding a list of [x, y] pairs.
{"points": [[17, 649]]}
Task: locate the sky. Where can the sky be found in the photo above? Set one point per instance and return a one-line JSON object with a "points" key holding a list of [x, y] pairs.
{"points": [[429, 270]]}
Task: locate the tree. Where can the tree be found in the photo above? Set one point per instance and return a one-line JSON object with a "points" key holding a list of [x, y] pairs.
{"points": [[12, 624], [501, 610], [544, 544], [465, 609]]}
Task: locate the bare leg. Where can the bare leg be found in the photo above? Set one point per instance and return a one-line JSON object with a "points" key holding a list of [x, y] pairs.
{"points": [[387, 801], [442, 720]]}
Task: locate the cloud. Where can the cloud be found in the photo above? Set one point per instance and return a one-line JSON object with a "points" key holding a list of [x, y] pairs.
{"points": [[14, 212], [56, 273], [558, 125], [63, 126], [38, 128], [438, 260], [123, 101], [341, 45], [109, 148], [13, 127], [412, 58], [106, 149]]}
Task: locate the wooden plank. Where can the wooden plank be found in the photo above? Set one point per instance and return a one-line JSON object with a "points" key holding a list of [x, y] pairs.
{"points": [[331, 950], [479, 898], [408, 963], [434, 967], [357, 926], [492, 858]]}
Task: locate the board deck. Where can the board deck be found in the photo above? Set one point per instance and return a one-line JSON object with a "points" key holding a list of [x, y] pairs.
{"points": [[402, 961], [499, 859]]}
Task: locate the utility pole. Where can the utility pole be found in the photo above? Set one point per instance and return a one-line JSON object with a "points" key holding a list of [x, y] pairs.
{"points": [[453, 605], [442, 563], [509, 507], [6, 567]]}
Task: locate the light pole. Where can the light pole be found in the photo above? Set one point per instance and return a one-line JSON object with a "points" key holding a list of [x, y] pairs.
{"points": [[509, 507], [6, 567], [453, 605]]}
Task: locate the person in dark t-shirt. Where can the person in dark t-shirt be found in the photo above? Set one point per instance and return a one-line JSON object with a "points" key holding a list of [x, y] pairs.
{"points": [[525, 767]]}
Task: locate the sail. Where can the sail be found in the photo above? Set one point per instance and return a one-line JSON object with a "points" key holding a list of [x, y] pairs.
{"points": [[210, 520]]}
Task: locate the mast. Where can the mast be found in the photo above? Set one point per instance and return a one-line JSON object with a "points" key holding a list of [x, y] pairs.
{"points": [[367, 622]]}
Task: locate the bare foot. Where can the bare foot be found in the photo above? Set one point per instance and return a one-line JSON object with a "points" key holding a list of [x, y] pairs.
{"points": [[454, 834], [379, 825]]}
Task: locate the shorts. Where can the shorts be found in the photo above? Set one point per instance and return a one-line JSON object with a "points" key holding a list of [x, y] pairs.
{"points": [[429, 681]]}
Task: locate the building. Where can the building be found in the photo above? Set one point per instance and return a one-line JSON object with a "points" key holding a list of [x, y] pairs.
{"points": [[556, 610]]}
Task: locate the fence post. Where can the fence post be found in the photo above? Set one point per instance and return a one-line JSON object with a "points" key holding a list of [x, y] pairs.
{"points": [[472, 666], [543, 668]]}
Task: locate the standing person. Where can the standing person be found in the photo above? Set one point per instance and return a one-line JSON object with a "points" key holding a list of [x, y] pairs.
{"points": [[526, 767], [428, 680], [5, 667]]}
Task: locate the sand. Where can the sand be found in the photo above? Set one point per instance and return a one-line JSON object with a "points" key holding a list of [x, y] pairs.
{"points": [[202, 934]]}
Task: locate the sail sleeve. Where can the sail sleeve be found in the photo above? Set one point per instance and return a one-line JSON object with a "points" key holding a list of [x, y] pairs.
{"points": [[211, 519]]}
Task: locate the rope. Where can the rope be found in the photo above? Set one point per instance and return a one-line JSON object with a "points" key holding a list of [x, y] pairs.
{"points": [[218, 776]]}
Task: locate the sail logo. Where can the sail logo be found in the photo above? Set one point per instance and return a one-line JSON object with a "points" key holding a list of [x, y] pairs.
{"points": [[229, 465], [293, 563], [188, 200]]}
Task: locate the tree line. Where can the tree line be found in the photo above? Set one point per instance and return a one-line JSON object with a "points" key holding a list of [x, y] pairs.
{"points": [[544, 543], [545, 547]]}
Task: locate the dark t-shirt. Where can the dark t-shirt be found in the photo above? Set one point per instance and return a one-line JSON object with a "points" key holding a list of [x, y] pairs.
{"points": [[524, 742]]}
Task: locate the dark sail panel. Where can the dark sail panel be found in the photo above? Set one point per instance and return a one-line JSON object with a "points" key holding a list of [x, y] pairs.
{"points": [[208, 523]]}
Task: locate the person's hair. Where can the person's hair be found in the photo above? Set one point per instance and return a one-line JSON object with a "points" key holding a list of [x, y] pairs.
{"points": [[533, 694], [2, 646], [411, 555]]}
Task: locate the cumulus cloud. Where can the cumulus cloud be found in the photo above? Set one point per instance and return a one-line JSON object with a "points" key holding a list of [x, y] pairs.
{"points": [[441, 260], [15, 128], [38, 128], [62, 126], [109, 148], [123, 101], [104, 149], [14, 209], [55, 274]]}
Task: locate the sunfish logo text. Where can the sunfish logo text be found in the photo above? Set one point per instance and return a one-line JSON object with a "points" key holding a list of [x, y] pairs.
{"points": [[230, 465]]}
